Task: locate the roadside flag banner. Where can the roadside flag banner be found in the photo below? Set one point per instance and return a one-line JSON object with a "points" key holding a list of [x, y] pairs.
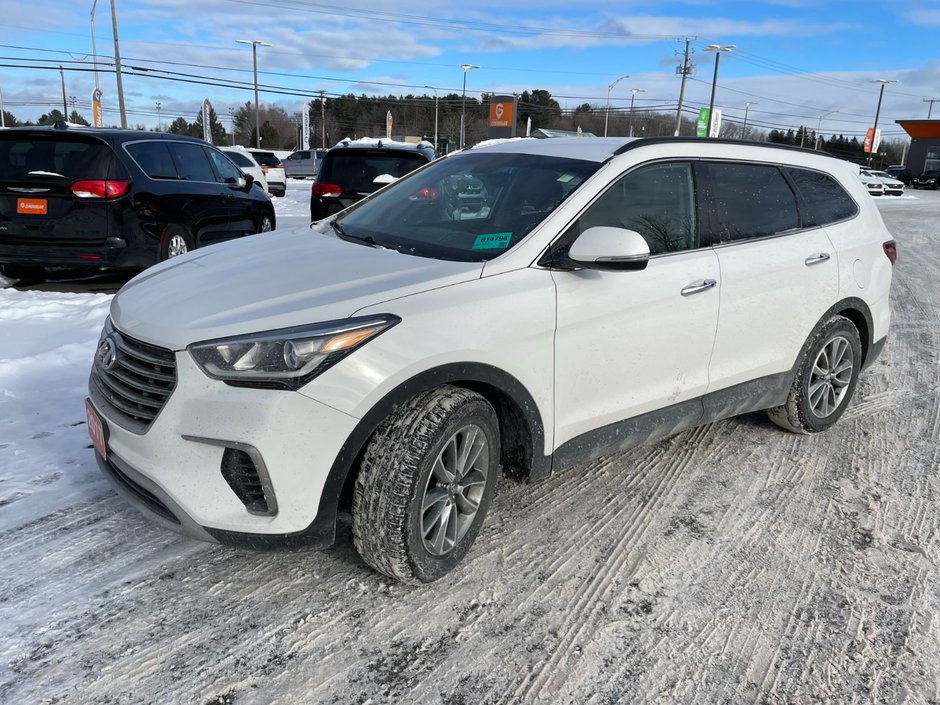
{"points": [[305, 126], [96, 119], [716, 125], [388, 125], [701, 125], [868, 139], [528, 127], [206, 126], [877, 143]]}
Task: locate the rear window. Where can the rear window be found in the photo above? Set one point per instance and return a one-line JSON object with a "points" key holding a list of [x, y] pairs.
{"points": [[355, 170], [750, 200], [266, 158], [24, 157], [239, 159]]}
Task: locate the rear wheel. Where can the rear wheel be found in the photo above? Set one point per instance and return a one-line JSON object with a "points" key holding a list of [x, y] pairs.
{"points": [[825, 380], [177, 240], [426, 481]]}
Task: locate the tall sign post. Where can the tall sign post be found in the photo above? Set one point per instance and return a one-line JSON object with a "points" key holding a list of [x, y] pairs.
{"points": [[502, 120]]}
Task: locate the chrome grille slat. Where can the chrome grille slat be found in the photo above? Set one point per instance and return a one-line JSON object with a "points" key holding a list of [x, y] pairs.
{"points": [[141, 379]]}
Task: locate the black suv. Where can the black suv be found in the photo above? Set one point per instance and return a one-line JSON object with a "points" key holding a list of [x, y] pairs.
{"points": [[899, 172], [117, 199], [352, 170], [929, 179]]}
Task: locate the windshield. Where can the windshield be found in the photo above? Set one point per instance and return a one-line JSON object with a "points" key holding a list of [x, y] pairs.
{"points": [[471, 207]]}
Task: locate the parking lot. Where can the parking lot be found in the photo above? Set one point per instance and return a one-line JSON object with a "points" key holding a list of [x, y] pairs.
{"points": [[732, 563]]}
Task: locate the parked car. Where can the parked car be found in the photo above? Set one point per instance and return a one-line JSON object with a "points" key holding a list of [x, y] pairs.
{"points": [[355, 168], [304, 164], [928, 179], [900, 172], [890, 185], [274, 171], [874, 185], [244, 161], [116, 199], [603, 293]]}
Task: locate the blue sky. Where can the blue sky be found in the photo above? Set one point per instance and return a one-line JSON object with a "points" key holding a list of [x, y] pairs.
{"points": [[794, 60]]}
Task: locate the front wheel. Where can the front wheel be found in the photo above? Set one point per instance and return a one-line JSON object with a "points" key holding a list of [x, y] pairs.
{"points": [[426, 481], [825, 379], [22, 273], [266, 224]]}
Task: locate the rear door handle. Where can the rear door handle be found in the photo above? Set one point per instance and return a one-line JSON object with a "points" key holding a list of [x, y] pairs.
{"points": [[816, 259], [699, 288]]}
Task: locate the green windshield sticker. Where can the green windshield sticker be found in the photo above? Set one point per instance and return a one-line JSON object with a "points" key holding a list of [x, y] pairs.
{"points": [[492, 241]]}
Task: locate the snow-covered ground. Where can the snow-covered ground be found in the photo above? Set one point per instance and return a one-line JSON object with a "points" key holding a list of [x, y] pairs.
{"points": [[732, 563]]}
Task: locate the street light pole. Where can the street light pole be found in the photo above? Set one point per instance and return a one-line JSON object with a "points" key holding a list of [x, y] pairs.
{"points": [[819, 127], [255, 43], [463, 103], [633, 92], [159, 122], [747, 106], [718, 49], [931, 101], [94, 51], [435, 115], [3, 120], [609, 89], [874, 132], [117, 67]]}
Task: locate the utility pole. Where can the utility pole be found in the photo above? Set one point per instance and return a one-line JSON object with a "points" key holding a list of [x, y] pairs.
{"points": [[685, 70], [159, 121], [747, 106], [255, 43], [117, 67], [322, 121], [3, 120], [633, 92], [231, 114], [65, 107], [930, 107]]}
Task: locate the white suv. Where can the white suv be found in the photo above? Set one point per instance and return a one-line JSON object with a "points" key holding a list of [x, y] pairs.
{"points": [[599, 293]]}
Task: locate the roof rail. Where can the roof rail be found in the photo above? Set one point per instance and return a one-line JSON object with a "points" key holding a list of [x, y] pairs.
{"points": [[643, 141]]}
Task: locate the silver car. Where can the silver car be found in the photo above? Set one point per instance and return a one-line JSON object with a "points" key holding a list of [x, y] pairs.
{"points": [[304, 164]]}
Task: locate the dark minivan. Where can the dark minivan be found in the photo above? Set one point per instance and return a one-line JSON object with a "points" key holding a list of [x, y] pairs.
{"points": [[117, 199], [352, 170]]}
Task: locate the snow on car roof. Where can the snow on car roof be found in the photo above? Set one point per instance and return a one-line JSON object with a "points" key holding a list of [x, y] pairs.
{"points": [[378, 142], [593, 149]]}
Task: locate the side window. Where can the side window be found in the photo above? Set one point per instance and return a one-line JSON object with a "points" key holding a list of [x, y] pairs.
{"points": [[749, 201], [191, 161], [824, 199], [154, 158], [657, 201], [228, 172]]}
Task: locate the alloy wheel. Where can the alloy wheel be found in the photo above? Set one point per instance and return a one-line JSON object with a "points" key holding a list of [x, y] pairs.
{"points": [[455, 488], [177, 246], [831, 376]]}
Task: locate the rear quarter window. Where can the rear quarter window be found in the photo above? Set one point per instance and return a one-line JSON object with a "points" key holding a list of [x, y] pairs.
{"points": [[824, 201]]}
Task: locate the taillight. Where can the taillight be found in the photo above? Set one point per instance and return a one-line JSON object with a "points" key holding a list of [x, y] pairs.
{"points": [[326, 190], [264, 170], [891, 250], [425, 194], [100, 188]]}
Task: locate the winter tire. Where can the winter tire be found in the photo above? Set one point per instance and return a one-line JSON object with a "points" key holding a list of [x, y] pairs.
{"points": [[825, 379], [427, 477], [176, 241], [22, 272], [266, 223]]}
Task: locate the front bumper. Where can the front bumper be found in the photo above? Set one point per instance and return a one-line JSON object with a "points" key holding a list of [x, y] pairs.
{"points": [[117, 256], [172, 471]]}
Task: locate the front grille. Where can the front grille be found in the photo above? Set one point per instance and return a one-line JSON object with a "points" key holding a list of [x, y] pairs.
{"points": [[139, 381]]}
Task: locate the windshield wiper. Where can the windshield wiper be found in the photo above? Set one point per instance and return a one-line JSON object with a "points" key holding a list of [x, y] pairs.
{"points": [[366, 239]]}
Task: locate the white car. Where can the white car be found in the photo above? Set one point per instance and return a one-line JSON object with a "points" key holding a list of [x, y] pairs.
{"points": [[273, 170], [606, 292], [891, 186], [244, 161], [873, 184]]}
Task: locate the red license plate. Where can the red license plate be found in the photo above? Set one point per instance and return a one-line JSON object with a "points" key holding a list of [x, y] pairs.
{"points": [[32, 206], [97, 430]]}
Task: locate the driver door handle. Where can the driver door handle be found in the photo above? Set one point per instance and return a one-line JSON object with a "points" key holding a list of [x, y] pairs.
{"points": [[816, 259], [704, 285]]}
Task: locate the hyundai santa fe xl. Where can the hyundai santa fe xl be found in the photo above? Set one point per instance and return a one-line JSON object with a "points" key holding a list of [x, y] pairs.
{"points": [[519, 307]]}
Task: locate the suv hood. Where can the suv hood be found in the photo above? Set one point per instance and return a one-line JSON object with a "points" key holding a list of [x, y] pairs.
{"points": [[275, 280]]}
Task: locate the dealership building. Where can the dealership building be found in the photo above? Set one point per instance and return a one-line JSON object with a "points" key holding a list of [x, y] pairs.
{"points": [[924, 154]]}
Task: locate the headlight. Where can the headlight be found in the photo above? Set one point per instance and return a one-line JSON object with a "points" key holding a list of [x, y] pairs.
{"points": [[286, 358]]}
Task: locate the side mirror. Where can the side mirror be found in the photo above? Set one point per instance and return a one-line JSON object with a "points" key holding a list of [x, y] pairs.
{"points": [[241, 183], [384, 180], [604, 247]]}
